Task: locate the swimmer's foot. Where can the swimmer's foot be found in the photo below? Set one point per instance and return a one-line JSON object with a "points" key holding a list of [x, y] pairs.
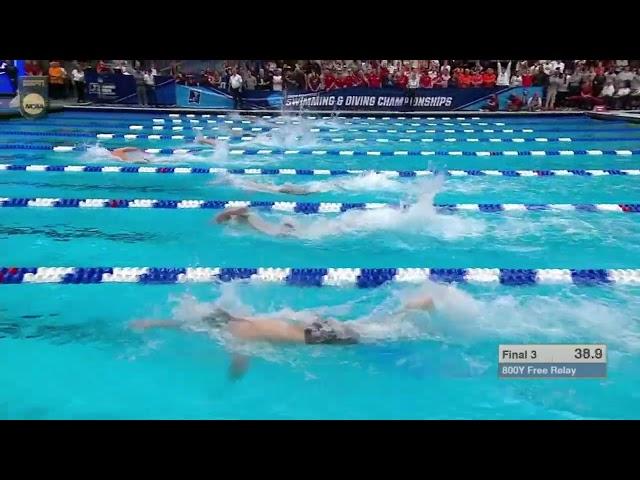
{"points": [[229, 213]]}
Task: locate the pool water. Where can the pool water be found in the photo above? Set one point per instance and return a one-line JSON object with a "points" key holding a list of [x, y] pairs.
{"points": [[68, 350]]}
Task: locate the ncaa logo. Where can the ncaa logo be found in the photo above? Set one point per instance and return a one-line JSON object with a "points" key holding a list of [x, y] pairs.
{"points": [[33, 104]]}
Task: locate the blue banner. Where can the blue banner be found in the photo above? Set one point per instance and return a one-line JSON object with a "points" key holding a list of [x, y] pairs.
{"points": [[355, 99], [121, 89]]}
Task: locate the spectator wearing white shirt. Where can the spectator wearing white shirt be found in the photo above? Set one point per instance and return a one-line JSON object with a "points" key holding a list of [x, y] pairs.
{"points": [[624, 77], [607, 92], [235, 83], [503, 76], [77, 76], [621, 97], [150, 87], [277, 80], [516, 80], [635, 89]]}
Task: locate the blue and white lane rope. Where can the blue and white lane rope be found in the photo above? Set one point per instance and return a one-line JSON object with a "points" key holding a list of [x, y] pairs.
{"points": [[339, 277], [308, 151], [303, 207], [348, 138], [316, 172], [334, 129]]}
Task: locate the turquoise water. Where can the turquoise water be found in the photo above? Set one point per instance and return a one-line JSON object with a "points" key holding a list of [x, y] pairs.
{"points": [[71, 354]]}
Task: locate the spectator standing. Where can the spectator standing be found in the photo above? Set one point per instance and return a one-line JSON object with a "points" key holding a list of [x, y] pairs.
{"points": [[563, 90], [401, 80], [476, 79], [624, 77], [313, 81], [527, 78], [552, 90], [77, 75], [299, 77], [606, 94], [610, 76], [265, 79], [141, 88], [150, 87], [598, 82], [373, 78], [489, 78], [250, 82], [32, 68], [425, 80], [277, 81], [516, 80], [443, 79], [57, 76], [635, 88], [101, 67], [328, 80], [464, 79], [235, 84], [503, 79], [621, 97], [541, 79], [574, 81]]}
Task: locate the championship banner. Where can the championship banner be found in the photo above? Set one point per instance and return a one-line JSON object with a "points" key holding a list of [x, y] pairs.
{"points": [[355, 99], [34, 96]]}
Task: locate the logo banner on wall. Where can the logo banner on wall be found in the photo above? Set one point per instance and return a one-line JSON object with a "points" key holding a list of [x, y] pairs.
{"points": [[121, 89], [356, 99], [392, 99], [34, 96]]}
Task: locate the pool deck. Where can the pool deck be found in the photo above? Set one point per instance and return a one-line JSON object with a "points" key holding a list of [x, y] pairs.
{"points": [[629, 116]]}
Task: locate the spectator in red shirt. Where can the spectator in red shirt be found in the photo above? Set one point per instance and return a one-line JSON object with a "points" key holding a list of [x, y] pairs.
{"points": [[101, 67], [401, 80], [374, 79], [32, 68], [349, 79], [527, 79], [515, 103], [341, 80], [464, 79], [489, 78], [476, 79], [329, 80], [359, 80], [425, 81]]}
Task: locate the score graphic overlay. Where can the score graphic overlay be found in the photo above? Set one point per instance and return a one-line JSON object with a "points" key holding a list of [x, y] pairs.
{"points": [[552, 361]]}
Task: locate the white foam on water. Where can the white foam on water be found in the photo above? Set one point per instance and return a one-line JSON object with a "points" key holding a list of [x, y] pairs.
{"points": [[419, 216]]}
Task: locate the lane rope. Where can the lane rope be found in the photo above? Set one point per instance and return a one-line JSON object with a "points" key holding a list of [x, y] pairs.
{"points": [[340, 277], [304, 207], [314, 172], [308, 151], [238, 138]]}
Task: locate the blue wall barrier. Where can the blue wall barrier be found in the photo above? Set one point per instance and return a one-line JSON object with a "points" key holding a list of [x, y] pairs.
{"points": [[363, 99], [121, 89]]}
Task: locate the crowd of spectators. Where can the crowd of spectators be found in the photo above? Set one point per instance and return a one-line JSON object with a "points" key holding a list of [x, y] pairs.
{"points": [[565, 83]]}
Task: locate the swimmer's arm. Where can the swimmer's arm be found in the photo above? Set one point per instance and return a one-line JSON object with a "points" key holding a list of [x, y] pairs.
{"points": [[148, 324], [239, 366], [423, 302]]}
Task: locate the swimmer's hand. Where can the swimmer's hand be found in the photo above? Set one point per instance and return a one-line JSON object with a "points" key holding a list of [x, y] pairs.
{"points": [[239, 366]]}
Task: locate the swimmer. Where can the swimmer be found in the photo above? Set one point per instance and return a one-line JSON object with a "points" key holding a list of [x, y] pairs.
{"points": [[318, 331], [243, 215], [267, 187], [205, 141], [124, 154]]}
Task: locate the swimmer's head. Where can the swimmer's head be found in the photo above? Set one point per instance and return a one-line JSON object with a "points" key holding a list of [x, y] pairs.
{"points": [[218, 318], [289, 225]]}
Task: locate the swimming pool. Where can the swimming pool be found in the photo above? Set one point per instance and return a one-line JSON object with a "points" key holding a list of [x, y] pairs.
{"points": [[513, 193]]}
